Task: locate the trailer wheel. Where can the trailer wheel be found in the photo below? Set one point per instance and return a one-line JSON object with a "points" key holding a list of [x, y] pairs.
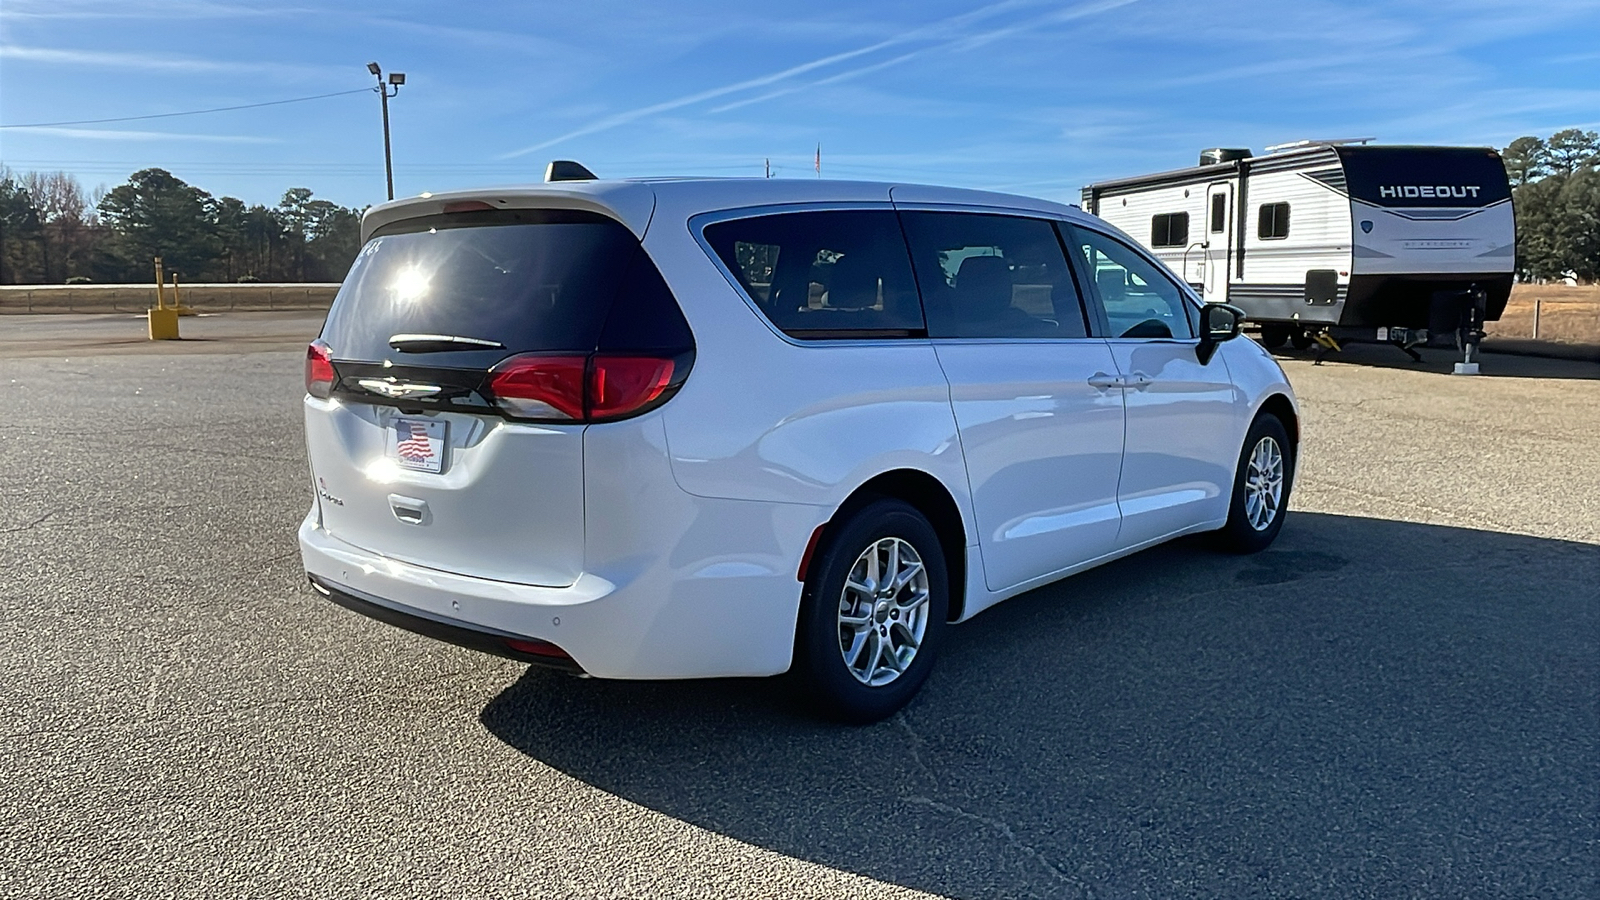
{"points": [[1300, 339], [1261, 486], [1274, 336]]}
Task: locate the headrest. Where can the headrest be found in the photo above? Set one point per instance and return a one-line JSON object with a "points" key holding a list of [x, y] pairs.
{"points": [[1113, 284], [983, 284], [853, 282]]}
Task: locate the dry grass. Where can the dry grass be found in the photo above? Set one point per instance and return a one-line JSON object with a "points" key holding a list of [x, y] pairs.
{"points": [[1567, 314]]}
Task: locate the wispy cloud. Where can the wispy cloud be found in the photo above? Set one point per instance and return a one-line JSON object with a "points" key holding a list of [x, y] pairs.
{"points": [[105, 134], [131, 9], [107, 59], [956, 44], [921, 33]]}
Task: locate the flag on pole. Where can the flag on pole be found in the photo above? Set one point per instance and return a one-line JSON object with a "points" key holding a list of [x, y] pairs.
{"points": [[819, 161]]}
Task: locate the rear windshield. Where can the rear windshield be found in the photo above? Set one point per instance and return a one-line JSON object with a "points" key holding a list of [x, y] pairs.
{"points": [[531, 280]]}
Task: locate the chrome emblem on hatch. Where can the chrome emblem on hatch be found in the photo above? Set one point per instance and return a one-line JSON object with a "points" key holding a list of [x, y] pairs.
{"points": [[389, 387]]}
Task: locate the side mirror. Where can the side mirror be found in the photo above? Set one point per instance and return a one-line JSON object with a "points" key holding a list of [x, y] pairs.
{"points": [[1218, 322]]}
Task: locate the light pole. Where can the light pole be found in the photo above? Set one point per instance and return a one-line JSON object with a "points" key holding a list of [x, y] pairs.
{"points": [[395, 80]]}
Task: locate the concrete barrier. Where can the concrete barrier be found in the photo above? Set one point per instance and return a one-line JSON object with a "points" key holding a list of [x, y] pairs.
{"points": [[136, 298]]}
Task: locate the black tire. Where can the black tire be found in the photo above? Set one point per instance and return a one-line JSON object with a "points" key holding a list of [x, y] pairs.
{"points": [[1244, 532], [821, 675], [1274, 336], [1299, 339]]}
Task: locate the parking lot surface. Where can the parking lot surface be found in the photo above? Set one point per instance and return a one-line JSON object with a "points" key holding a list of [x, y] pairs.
{"points": [[1398, 699]]}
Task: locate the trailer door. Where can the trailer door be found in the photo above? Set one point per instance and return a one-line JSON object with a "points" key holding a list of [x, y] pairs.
{"points": [[1218, 241]]}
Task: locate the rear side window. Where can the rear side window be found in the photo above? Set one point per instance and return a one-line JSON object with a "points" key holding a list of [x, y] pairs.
{"points": [[830, 274], [1169, 230], [528, 280], [988, 276]]}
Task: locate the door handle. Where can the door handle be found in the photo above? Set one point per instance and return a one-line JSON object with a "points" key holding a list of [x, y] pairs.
{"points": [[409, 509], [1138, 381], [1105, 382]]}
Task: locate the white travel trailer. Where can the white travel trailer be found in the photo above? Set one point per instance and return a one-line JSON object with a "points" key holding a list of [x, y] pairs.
{"points": [[1330, 241]]}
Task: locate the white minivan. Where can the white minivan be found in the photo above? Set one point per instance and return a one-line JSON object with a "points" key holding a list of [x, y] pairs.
{"points": [[705, 428]]}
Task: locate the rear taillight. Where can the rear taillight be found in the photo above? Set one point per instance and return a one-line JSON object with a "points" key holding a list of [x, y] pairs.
{"points": [[623, 385], [539, 387], [597, 387], [319, 370]]}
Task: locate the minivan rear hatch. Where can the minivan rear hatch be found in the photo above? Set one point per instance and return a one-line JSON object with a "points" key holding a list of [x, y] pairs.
{"points": [[462, 360]]}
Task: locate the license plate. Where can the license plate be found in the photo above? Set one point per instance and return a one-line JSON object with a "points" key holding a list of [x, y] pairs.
{"points": [[417, 443]]}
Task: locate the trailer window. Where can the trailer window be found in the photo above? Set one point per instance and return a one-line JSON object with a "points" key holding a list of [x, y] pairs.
{"points": [[1169, 230], [1274, 222], [1219, 213]]}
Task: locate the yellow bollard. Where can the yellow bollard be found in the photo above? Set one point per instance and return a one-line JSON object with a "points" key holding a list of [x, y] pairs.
{"points": [[163, 319], [177, 302], [163, 324]]}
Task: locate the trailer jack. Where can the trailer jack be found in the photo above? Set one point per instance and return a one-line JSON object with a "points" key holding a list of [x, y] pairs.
{"points": [[1324, 340]]}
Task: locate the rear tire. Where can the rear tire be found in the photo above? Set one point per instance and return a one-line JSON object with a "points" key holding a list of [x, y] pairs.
{"points": [[1261, 486], [872, 613], [1274, 336], [1299, 339]]}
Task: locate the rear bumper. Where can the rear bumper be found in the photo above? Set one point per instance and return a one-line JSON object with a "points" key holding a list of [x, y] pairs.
{"points": [[471, 638], [679, 615]]}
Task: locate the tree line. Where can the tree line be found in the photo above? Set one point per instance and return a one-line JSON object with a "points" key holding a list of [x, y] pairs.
{"points": [[52, 231], [1555, 188]]}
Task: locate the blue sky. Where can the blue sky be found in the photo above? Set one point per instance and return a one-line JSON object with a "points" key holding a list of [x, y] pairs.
{"points": [[1030, 97]]}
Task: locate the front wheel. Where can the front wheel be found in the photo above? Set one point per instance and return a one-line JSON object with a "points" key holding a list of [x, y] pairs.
{"points": [[872, 613], [1261, 486]]}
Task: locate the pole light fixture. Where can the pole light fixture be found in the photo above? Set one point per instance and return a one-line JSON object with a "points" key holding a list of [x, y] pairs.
{"points": [[385, 91]]}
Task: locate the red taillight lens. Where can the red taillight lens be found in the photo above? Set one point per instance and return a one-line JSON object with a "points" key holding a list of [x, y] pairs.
{"points": [[579, 388], [319, 370], [457, 206], [540, 387], [619, 385]]}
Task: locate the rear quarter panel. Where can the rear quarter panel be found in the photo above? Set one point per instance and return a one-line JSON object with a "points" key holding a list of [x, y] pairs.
{"points": [[765, 418]]}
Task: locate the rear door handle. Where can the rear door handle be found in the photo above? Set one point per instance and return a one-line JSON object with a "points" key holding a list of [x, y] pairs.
{"points": [[1105, 382], [1138, 381], [409, 509]]}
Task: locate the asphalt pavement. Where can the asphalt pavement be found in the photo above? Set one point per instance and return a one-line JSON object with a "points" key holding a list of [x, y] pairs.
{"points": [[1398, 700]]}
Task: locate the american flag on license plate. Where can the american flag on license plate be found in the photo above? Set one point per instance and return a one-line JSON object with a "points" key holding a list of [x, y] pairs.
{"points": [[417, 447]]}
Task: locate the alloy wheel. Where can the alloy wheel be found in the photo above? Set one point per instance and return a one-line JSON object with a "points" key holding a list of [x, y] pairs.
{"points": [[1263, 484], [883, 611]]}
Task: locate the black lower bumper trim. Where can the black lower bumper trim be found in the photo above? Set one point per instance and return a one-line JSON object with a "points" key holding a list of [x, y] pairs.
{"points": [[460, 635]]}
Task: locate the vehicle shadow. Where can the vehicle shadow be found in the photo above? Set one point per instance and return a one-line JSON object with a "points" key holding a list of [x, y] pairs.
{"points": [[1371, 708], [1491, 363]]}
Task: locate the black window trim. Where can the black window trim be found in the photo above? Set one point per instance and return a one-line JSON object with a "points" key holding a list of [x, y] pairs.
{"points": [[1260, 222], [1170, 217], [1097, 311]]}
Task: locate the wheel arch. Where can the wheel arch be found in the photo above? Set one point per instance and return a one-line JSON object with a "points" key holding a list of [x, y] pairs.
{"points": [[931, 498], [1280, 406]]}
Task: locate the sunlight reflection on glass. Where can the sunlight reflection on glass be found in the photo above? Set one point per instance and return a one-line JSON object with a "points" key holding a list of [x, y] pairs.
{"points": [[409, 284]]}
